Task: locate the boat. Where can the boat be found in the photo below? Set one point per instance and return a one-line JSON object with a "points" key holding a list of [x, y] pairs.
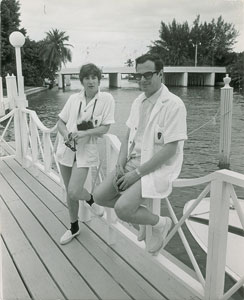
{"points": [[197, 224]]}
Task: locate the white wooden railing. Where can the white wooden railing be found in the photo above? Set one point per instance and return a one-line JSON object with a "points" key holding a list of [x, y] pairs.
{"points": [[220, 186], [35, 148]]}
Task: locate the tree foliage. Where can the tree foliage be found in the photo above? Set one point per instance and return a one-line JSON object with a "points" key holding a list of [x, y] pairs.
{"points": [[10, 21], [236, 71], [40, 59], [55, 50], [129, 62], [177, 43], [32, 65]]}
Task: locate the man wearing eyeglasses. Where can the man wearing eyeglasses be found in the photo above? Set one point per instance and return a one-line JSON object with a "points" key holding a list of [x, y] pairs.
{"points": [[151, 154]]}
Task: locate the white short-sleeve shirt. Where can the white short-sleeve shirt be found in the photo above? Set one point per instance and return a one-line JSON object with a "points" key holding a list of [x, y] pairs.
{"points": [[74, 112], [166, 124]]}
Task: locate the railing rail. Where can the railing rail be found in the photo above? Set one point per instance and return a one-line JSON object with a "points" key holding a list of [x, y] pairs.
{"points": [[38, 146], [9, 119]]}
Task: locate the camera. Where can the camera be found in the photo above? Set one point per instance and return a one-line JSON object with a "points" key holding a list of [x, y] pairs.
{"points": [[84, 125]]}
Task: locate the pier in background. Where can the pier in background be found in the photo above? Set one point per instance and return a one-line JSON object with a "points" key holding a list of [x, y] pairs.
{"points": [[173, 76]]}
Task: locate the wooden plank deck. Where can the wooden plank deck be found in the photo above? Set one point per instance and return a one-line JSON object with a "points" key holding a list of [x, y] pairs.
{"points": [[36, 266]]}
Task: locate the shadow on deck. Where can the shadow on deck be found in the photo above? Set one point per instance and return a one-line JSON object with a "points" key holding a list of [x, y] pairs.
{"points": [[36, 266]]}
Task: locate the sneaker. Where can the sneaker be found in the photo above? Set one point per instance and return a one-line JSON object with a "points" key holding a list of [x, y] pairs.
{"points": [[158, 235], [96, 209], [141, 236], [68, 236]]}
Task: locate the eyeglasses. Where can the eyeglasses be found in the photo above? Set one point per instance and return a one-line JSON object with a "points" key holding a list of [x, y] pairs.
{"points": [[147, 75], [73, 148]]}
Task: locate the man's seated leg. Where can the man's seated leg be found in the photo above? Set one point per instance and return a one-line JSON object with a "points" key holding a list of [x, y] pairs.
{"points": [[129, 208], [105, 194]]}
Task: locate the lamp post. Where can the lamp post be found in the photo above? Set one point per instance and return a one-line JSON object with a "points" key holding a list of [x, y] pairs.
{"points": [[195, 45], [17, 40]]}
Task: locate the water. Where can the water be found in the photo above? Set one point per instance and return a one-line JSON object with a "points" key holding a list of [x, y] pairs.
{"points": [[202, 103], [201, 148]]}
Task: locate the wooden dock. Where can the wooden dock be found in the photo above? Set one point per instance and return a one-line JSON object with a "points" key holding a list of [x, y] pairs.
{"points": [[36, 266]]}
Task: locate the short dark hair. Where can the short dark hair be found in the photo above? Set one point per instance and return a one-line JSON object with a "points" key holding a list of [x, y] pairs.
{"points": [[152, 57], [89, 69]]}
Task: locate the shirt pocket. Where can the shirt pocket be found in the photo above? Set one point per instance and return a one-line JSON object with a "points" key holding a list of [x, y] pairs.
{"points": [[97, 120], [91, 153], [159, 135]]}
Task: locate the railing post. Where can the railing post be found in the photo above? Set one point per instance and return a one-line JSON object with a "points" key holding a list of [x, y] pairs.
{"points": [[11, 91], [217, 240], [111, 160], [24, 132], [226, 105], [84, 212], [17, 136], [47, 152], [2, 107], [34, 142], [154, 205]]}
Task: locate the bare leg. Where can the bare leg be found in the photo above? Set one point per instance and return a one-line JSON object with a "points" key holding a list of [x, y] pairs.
{"points": [[129, 207], [105, 193], [74, 179], [66, 173]]}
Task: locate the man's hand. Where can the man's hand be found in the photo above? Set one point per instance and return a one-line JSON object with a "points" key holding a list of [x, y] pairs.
{"points": [[127, 180], [119, 171]]}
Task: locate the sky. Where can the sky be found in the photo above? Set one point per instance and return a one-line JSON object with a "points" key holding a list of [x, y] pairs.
{"points": [[108, 32]]}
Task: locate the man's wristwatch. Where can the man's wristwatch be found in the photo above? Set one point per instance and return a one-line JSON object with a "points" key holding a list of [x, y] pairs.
{"points": [[138, 172]]}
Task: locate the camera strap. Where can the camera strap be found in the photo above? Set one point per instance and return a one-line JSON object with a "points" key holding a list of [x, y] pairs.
{"points": [[93, 109], [79, 109]]}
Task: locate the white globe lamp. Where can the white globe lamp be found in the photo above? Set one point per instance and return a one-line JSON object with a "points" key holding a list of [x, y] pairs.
{"points": [[17, 39]]}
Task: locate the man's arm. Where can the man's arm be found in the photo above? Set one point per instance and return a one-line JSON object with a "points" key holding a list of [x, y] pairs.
{"points": [[122, 158], [159, 158]]}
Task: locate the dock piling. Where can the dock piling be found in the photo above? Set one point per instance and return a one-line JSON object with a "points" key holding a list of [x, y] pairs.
{"points": [[226, 105]]}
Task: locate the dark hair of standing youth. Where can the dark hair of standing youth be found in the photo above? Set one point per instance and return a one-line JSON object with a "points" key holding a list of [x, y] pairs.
{"points": [[89, 69], [152, 57]]}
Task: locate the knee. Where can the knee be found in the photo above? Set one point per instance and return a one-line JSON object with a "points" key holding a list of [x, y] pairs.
{"points": [[123, 212], [72, 193], [97, 197]]}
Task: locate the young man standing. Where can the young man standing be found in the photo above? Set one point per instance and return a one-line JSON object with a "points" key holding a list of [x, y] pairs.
{"points": [[151, 154]]}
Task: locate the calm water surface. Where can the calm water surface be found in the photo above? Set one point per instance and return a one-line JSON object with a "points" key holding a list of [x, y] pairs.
{"points": [[202, 104], [201, 148]]}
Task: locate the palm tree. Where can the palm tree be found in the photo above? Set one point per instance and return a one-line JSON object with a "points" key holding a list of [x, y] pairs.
{"points": [[55, 51], [129, 63]]}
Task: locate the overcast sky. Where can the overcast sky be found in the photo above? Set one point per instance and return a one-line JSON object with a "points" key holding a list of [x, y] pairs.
{"points": [[108, 32]]}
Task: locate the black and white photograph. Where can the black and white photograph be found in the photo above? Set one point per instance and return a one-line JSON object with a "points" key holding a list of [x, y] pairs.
{"points": [[122, 150]]}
